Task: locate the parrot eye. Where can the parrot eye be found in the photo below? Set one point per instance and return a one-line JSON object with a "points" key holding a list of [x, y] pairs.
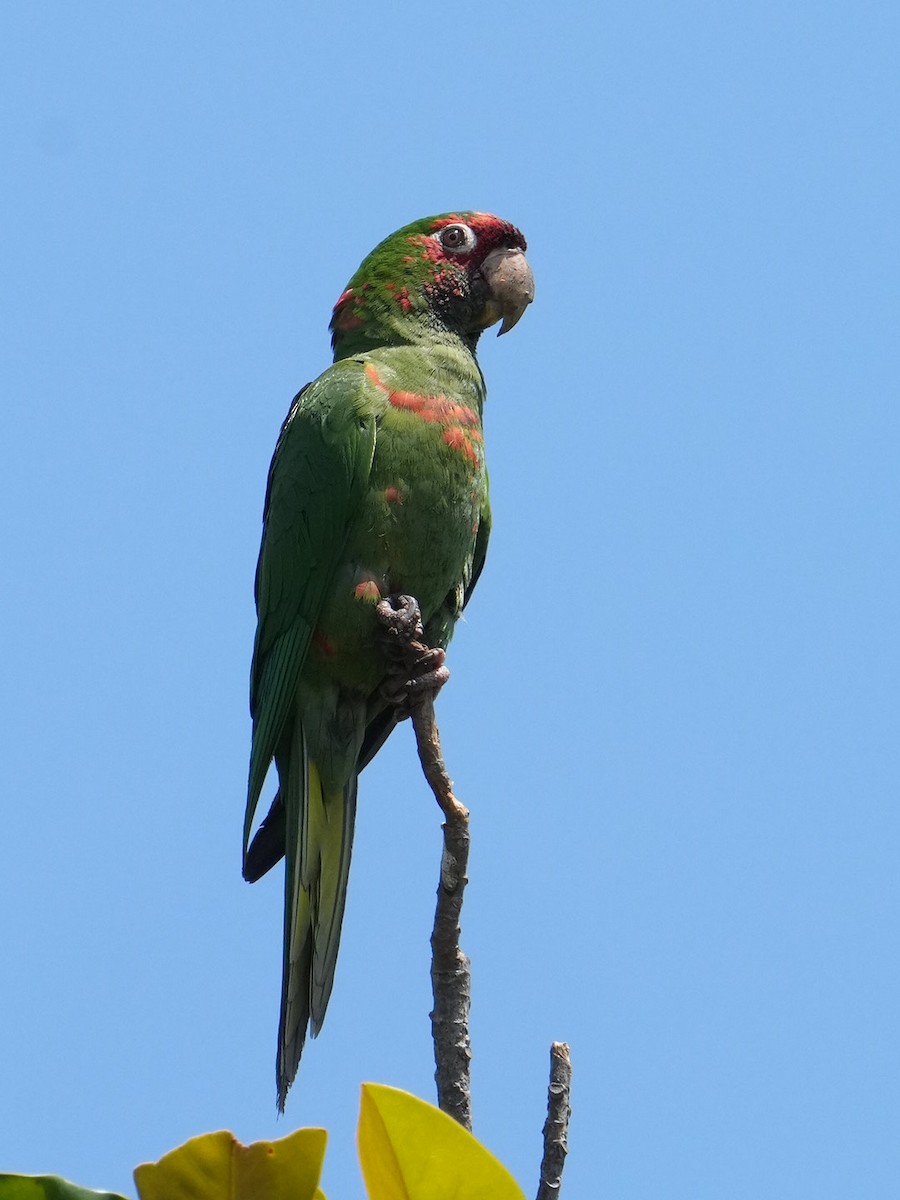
{"points": [[457, 237]]}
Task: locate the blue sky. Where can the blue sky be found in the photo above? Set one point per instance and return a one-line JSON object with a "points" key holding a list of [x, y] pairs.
{"points": [[673, 709]]}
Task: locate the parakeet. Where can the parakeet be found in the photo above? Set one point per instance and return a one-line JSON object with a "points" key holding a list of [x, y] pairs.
{"points": [[377, 487]]}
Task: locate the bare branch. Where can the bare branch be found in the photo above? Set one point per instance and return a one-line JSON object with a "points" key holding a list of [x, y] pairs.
{"points": [[416, 673], [556, 1126], [450, 976], [422, 672]]}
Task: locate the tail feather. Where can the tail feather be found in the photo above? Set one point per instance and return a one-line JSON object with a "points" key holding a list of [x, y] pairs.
{"points": [[318, 842], [330, 896], [294, 997]]}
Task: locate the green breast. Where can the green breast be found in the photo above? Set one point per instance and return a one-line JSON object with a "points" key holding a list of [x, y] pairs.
{"points": [[415, 533]]}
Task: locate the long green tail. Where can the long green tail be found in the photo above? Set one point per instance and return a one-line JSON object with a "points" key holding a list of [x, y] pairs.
{"points": [[319, 840]]}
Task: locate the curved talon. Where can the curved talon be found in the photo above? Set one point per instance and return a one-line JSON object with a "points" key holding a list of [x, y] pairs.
{"points": [[430, 681], [429, 659], [413, 669], [401, 618], [402, 689]]}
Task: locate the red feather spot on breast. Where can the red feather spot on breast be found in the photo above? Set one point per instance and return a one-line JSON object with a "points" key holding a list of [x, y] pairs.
{"points": [[368, 591], [432, 412], [411, 401], [373, 377], [323, 643], [461, 422], [462, 414], [460, 440]]}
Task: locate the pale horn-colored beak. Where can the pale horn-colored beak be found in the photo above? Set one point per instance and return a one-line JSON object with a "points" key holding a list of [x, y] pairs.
{"points": [[509, 277]]}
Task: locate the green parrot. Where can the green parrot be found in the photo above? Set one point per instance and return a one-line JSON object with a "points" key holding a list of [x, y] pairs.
{"points": [[377, 487]]}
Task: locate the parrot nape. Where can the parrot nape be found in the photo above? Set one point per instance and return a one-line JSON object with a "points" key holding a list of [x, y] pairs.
{"points": [[377, 487]]}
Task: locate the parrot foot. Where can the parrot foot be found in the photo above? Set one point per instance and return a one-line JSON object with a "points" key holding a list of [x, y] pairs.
{"points": [[402, 620], [414, 669], [411, 678]]}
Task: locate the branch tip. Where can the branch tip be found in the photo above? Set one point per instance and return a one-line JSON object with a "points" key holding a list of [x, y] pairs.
{"points": [[556, 1127]]}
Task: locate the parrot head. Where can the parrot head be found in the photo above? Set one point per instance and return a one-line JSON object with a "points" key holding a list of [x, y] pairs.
{"points": [[455, 274]]}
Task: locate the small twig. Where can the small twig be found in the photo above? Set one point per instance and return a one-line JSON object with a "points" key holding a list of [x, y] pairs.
{"points": [[450, 975], [450, 978], [556, 1126]]}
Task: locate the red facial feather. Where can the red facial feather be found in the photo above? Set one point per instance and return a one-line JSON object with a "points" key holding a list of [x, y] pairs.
{"points": [[417, 272], [347, 314]]}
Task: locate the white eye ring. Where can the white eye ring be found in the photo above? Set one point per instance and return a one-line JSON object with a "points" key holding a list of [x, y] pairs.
{"points": [[458, 239]]}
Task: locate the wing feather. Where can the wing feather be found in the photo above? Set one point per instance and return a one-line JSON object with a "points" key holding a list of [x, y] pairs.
{"points": [[316, 481]]}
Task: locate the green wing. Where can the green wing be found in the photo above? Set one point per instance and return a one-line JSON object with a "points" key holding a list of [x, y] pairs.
{"points": [[481, 545], [439, 629], [269, 843], [316, 481]]}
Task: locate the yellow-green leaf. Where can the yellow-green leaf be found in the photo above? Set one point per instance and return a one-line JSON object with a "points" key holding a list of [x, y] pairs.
{"points": [[48, 1187], [216, 1166], [410, 1150]]}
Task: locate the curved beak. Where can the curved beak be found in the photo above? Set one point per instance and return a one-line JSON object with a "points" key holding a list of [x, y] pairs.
{"points": [[511, 284]]}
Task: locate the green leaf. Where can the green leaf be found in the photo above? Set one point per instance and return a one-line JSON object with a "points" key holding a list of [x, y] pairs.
{"points": [[47, 1187], [410, 1150], [216, 1166]]}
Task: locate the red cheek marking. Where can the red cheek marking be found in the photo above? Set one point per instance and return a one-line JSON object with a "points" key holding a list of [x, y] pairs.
{"points": [[368, 591], [392, 495], [345, 317], [431, 249], [347, 321]]}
